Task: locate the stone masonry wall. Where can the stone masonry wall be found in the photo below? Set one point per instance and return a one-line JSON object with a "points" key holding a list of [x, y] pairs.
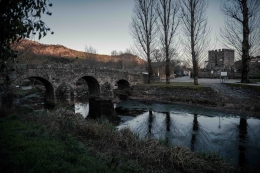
{"points": [[53, 76]]}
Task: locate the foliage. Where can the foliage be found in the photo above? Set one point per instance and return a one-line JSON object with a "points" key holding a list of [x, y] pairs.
{"points": [[20, 19]]}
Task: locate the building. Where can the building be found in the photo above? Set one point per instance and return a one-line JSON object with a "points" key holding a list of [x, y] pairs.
{"points": [[255, 65], [220, 60], [159, 69], [255, 59]]}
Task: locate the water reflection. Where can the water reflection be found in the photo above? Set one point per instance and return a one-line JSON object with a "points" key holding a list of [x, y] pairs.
{"points": [[195, 129], [168, 127], [233, 137], [82, 106], [242, 141]]}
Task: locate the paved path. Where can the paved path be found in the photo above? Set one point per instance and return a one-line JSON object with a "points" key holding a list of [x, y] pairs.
{"points": [[207, 80]]}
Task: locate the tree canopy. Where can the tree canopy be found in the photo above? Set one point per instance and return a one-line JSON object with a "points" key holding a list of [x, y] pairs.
{"points": [[20, 19]]}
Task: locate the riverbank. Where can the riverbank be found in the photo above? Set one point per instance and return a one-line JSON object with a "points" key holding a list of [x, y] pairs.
{"points": [[64, 134], [233, 98]]}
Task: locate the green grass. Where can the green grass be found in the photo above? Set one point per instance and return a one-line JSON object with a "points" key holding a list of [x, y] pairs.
{"points": [[254, 80], [28, 148], [254, 76], [174, 85]]}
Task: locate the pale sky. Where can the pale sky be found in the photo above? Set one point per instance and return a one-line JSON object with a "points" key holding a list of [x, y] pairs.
{"points": [[102, 24]]}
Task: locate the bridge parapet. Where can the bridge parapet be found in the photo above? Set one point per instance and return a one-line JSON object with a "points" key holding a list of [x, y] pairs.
{"points": [[65, 66], [100, 80]]}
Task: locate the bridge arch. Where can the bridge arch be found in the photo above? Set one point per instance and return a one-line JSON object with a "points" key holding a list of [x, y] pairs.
{"points": [[122, 84], [93, 85], [49, 96]]}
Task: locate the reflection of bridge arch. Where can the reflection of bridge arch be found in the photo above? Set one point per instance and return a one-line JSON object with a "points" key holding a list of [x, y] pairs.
{"points": [[93, 85], [49, 97]]}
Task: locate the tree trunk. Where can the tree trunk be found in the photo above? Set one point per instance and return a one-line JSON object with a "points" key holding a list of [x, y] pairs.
{"points": [[193, 53], [167, 71], [245, 44], [245, 69], [150, 71], [196, 74]]}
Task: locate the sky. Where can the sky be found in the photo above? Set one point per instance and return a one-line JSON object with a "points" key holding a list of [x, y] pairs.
{"points": [[102, 24]]}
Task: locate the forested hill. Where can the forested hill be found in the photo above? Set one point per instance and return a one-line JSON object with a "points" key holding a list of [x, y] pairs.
{"points": [[32, 52]]}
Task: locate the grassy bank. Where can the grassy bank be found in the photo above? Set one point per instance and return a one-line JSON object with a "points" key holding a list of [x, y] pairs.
{"points": [[245, 86], [61, 141], [173, 85], [180, 92], [254, 80], [26, 147]]}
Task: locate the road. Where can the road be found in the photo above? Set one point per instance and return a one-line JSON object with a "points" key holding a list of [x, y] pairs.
{"points": [[203, 80]]}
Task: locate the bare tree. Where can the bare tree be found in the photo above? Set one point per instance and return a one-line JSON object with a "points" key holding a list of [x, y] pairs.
{"points": [[90, 55], [242, 31], [196, 32], [168, 14], [143, 29], [128, 51], [114, 53], [90, 49], [157, 56]]}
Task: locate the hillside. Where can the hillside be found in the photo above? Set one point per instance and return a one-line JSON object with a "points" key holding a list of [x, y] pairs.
{"points": [[32, 52]]}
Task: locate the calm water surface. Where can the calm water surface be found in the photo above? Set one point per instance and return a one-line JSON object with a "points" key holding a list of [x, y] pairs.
{"points": [[234, 137]]}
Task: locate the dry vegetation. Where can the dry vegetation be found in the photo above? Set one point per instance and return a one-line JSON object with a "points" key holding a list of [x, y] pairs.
{"points": [[124, 149], [36, 53]]}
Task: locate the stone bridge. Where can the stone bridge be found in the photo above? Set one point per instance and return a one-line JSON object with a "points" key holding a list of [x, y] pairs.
{"points": [[100, 81]]}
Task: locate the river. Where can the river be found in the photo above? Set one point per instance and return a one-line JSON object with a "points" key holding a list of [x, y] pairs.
{"points": [[235, 137]]}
